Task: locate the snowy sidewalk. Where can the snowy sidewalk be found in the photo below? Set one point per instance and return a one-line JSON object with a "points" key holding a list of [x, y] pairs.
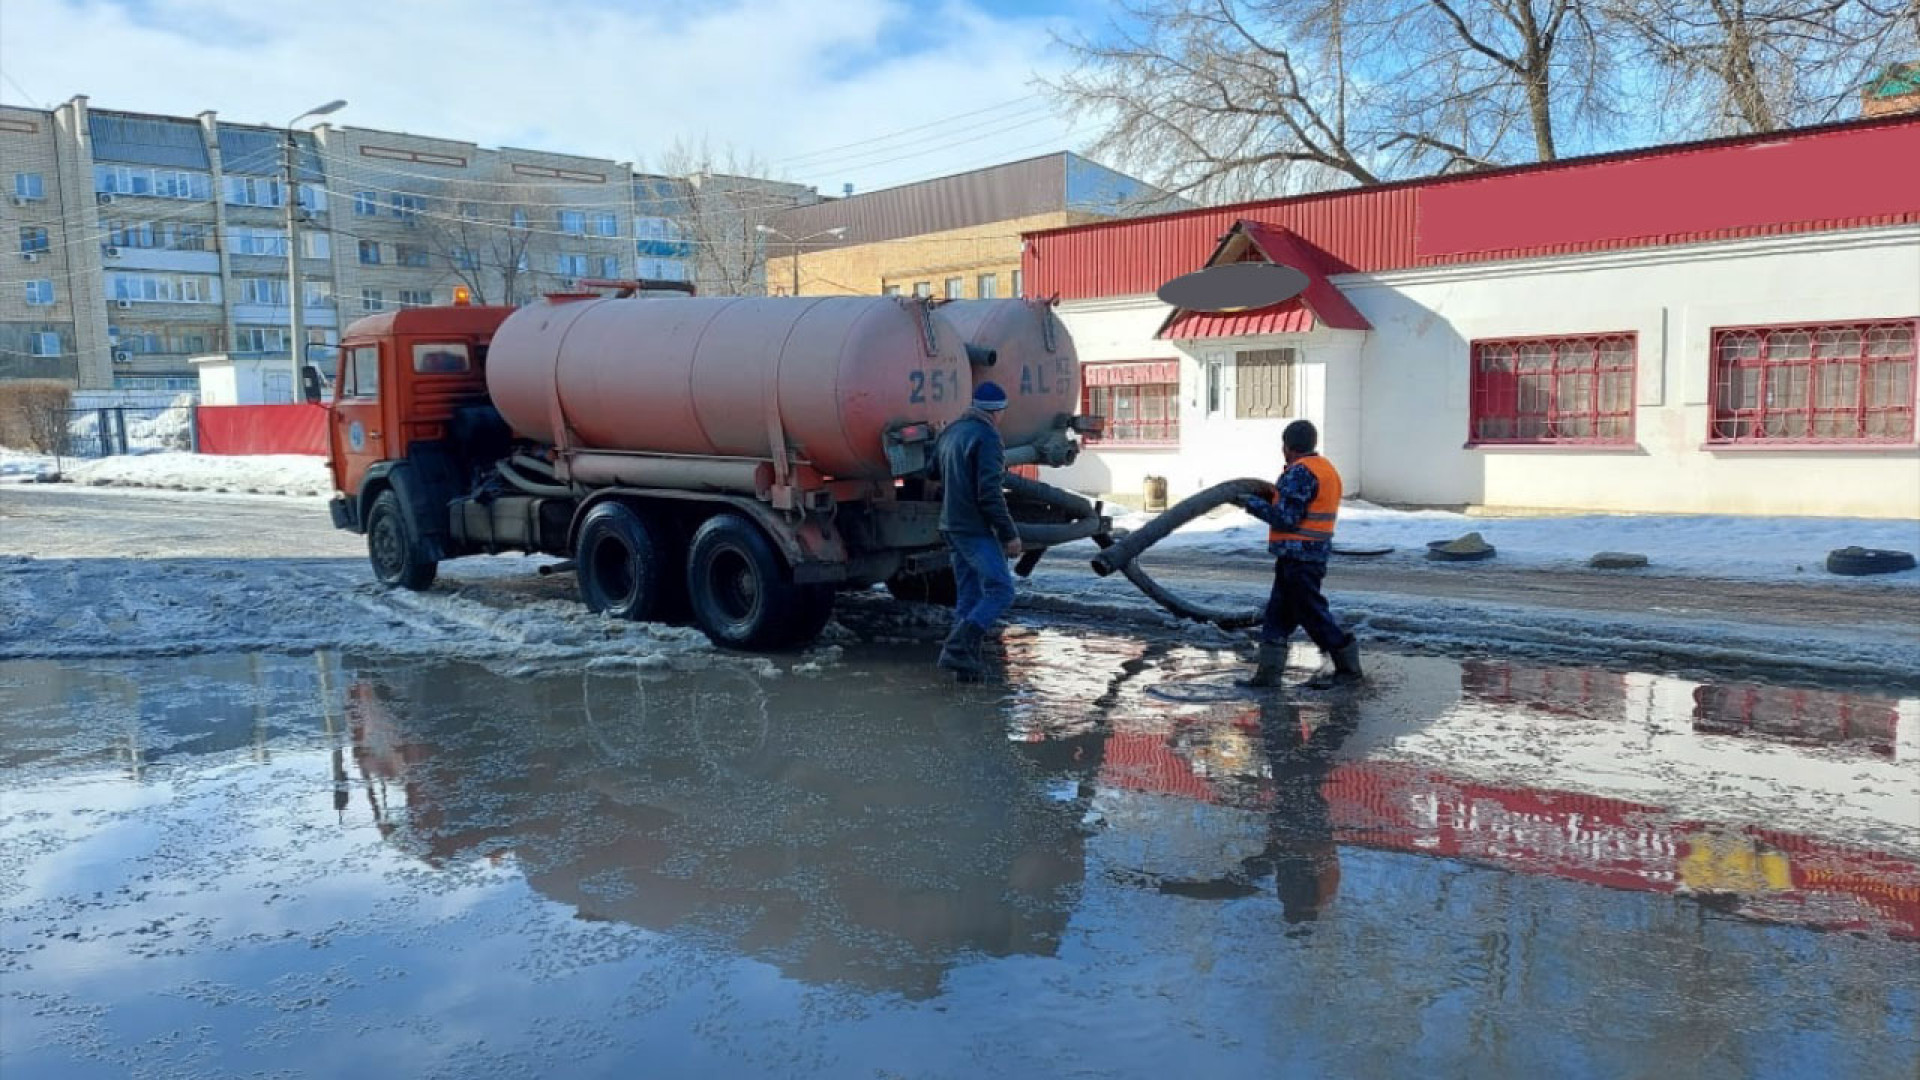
{"points": [[269, 474]]}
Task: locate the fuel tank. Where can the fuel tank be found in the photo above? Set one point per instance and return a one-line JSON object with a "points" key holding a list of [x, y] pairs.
{"points": [[719, 376], [1035, 361]]}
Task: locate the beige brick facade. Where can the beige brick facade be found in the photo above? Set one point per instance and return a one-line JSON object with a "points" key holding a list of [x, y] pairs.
{"points": [[965, 259], [37, 334]]}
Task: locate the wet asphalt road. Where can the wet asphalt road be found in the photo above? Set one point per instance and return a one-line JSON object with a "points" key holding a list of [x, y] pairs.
{"points": [[1110, 864]]}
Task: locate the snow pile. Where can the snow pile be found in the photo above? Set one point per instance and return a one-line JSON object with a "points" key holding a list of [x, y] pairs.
{"points": [[19, 465], [263, 474], [1714, 546]]}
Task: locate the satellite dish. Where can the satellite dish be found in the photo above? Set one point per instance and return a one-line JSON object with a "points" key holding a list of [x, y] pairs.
{"points": [[1234, 287]]}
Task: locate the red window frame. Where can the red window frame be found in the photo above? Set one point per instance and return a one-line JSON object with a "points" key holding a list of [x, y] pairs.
{"points": [[1098, 397], [1553, 390], [1814, 384]]}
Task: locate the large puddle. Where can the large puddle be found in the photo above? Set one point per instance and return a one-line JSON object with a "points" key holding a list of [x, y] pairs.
{"points": [[1112, 864]]}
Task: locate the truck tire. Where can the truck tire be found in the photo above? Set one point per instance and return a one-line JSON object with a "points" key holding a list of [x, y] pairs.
{"points": [[936, 587], [626, 568], [393, 549], [743, 594]]}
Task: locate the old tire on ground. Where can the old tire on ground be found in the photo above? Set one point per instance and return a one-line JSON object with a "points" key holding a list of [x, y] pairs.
{"points": [[627, 568], [935, 587], [1859, 561], [743, 593], [393, 549]]}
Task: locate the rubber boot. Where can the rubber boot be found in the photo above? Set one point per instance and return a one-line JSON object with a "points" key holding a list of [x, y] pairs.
{"points": [[961, 653], [1269, 668], [1346, 668]]}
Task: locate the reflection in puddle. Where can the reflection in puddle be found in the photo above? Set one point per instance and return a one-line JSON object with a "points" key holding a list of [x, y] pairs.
{"points": [[1482, 866]]}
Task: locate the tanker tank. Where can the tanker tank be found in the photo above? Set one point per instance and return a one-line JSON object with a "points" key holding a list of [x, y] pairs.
{"points": [[1035, 362], [717, 377]]}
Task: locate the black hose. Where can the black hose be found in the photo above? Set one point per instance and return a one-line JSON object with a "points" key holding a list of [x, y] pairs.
{"points": [[529, 487], [1123, 554]]}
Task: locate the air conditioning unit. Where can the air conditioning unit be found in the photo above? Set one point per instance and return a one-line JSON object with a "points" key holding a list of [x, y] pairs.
{"points": [[104, 198], [110, 251], [21, 200], [569, 283], [123, 304], [30, 256], [122, 356]]}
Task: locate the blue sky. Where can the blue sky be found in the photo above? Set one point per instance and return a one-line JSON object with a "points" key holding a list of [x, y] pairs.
{"points": [[922, 88]]}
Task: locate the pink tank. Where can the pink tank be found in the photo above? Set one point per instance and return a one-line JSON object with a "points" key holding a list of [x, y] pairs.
{"points": [[1036, 365]]}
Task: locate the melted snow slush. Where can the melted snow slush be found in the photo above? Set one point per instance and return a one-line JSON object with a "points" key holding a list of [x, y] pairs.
{"points": [[1111, 864]]}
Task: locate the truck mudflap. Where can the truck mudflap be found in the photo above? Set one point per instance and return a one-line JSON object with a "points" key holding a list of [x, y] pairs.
{"points": [[346, 514]]}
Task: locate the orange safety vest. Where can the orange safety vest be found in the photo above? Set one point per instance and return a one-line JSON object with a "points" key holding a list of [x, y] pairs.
{"points": [[1317, 523]]}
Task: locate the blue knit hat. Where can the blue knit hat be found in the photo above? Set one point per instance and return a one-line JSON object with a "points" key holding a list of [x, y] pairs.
{"points": [[988, 397]]}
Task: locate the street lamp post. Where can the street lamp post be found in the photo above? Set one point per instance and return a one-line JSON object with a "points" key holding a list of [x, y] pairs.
{"points": [[835, 232], [296, 296]]}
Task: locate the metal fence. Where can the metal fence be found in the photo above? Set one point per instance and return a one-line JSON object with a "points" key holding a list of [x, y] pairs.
{"points": [[129, 429]]}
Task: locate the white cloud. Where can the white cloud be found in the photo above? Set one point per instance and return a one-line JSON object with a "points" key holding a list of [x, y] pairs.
{"points": [[780, 79]]}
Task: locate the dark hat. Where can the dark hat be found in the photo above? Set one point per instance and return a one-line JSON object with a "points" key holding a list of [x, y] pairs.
{"points": [[988, 397]]}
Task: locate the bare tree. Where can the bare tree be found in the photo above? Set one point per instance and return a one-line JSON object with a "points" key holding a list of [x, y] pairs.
{"points": [[1235, 98], [720, 205], [1761, 65], [483, 232]]}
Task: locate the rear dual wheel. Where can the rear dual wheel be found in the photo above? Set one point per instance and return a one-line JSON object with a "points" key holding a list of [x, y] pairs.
{"points": [[743, 592], [629, 567]]}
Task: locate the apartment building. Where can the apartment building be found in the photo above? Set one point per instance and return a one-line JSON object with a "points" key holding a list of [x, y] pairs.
{"points": [[954, 237], [139, 241]]}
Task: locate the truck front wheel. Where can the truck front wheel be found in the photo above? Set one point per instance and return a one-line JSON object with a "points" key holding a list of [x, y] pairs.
{"points": [[744, 597], [393, 548]]}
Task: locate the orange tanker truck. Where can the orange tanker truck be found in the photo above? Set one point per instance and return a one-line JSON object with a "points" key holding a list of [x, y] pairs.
{"points": [[732, 461]]}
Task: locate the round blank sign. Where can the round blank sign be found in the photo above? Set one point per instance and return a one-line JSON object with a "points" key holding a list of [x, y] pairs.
{"points": [[1234, 287]]}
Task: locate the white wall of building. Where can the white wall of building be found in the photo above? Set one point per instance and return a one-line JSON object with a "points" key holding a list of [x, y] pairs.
{"points": [[1393, 404]]}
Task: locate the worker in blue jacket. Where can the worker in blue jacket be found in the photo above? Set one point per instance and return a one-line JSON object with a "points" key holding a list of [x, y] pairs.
{"points": [[1301, 516], [970, 461]]}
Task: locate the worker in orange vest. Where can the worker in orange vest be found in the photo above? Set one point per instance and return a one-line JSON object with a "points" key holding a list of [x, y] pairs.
{"points": [[1301, 517]]}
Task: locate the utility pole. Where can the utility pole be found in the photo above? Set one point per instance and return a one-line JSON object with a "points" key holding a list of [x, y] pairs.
{"points": [[768, 230], [296, 295]]}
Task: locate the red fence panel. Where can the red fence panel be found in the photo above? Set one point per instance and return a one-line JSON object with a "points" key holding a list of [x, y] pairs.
{"points": [[262, 429]]}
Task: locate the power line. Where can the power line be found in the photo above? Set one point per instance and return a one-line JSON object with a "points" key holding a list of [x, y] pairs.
{"points": [[938, 122]]}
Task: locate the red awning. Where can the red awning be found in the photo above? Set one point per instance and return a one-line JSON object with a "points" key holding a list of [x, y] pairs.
{"points": [[1322, 304]]}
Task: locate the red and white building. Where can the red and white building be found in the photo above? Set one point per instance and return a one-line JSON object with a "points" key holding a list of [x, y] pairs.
{"points": [[1716, 327]]}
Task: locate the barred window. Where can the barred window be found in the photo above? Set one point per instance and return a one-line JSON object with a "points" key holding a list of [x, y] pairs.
{"points": [[1554, 390], [1817, 383], [1263, 384]]}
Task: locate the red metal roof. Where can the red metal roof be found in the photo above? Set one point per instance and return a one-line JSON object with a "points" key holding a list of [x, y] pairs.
{"points": [[1321, 304], [1841, 176]]}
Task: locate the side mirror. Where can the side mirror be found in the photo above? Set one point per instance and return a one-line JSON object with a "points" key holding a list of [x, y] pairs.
{"points": [[310, 387]]}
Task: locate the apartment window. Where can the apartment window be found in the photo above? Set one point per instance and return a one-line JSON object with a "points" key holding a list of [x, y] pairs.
{"points": [[370, 253], [987, 286], [1817, 383], [366, 203], [405, 207], [661, 269], [163, 288], [258, 290], [923, 289], [1263, 384], [1140, 401], [519, 218], [609, 266], [416, 298], [657, 229], [889, 290], [1553, 390], [360, 372], [253, 191], [606, 224], [163, 183], [570, 265], [952, 288], [1019, 284], [315, 245], [40, 292], [258, 242], [46, 343], [29, 185], [34, 240], [410, 255], [314, 293], [370, 300], [463, 258], [259, 339], [573, 222]]}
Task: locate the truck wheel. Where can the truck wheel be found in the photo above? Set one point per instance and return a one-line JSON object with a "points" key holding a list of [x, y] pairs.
{"points": [[743, 595], [626, 568], [935, 587], [393, 549]]}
